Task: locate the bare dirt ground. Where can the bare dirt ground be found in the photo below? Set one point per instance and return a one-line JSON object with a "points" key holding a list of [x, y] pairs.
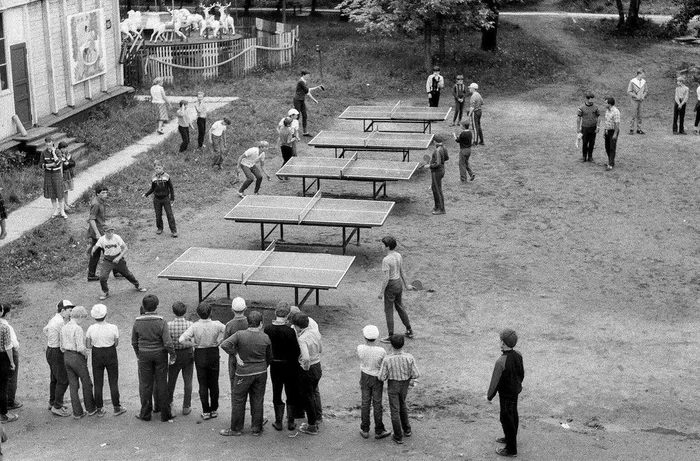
{"points": [[595, 270]]}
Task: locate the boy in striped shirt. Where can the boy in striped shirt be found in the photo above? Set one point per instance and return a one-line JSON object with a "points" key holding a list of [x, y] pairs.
{"points": [[398, 369]]}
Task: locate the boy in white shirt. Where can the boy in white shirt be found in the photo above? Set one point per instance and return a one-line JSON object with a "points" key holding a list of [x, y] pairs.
{"points": [[114, 250], [371, 386], [103, 338]]}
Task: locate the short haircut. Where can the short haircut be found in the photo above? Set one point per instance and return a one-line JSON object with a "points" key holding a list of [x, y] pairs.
{"points": [[389, 242], [263, 144], [304, 72], [287, 121], [179, 308], [640, 71], [465, 123], [589, 94], [48, 139], [282, 311], [183, 102], [255, 318], [99, 188], [436, 68], [438, 139], [157, 162], [680, 78], [227, 121], [78, 312], [396, 341], [200, 92], [509, 337], [610, 101], [5, 309], [204, 311], [62, 145], [150, 303], [301, 320]]}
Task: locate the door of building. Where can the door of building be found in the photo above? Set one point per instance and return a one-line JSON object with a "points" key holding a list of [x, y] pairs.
{"points": [[20, 83]]}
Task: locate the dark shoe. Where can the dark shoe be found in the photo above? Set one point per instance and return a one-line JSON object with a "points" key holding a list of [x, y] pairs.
{"points": [[503, 452], [186, 410], [13, 406], [159, 231], [631, 131], [93, 278], [471, 178], [501, 440], [84, 414], [399, 441], [409, 333], [142, 419], [382, 435], [230, 432], [119, 411], [481, 143], [640, 132], [309, 429], [277, 425], [93, 412], [407, 433], [364, 434], [256, 433], [682, 132], [308, 135]]}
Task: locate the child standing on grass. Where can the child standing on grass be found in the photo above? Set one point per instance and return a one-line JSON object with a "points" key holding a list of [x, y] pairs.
{"points": [[217, 140], [75, 357], [459, 92], [202, 113], [163, 197], [184, 123], [3, 217], [68, 172], [398, 369], [371, 357], [103, 339]]}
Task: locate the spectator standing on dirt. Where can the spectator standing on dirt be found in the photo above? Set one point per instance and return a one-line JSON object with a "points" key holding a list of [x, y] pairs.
{"points": [[103, 338], [184, 358], [205, 335], [8, 366], [612, 130], [54, 356], [437, 172], [252, 163], [637, 91], [465, 140], [201, 108], [163, 197], [476, 104], [459, 92], [679, 104], [3, 217], [310, 349], [96, 224], [160, 103], [184, 123], [284, 366], [394, 280], [254, 351], [76, 354], [398, 369], [302, 90], [587, 117], [12, 402], [53, 178], [152, 344], [217, 140], [371, 387], [507, 379], [114, 250], [433, 85], [237, 323]]}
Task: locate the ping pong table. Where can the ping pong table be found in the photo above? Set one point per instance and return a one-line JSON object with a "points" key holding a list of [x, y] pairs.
{"points": [[372, 116], [312, 272], [377, 141], [376, 171], [277, 210]]}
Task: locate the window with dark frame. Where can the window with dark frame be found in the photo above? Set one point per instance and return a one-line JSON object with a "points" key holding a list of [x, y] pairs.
{"points": [[3, 56]]}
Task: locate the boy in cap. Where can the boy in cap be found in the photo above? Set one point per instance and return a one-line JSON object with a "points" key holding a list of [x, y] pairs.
{"points": [[184, 358], [163, 197], [114, 250], [371, 357], [507, 378], [433, 85], [476, 102], [237, 323], [75, 356], [103, 338], [55, 358], [459, 92], [398, 369]]}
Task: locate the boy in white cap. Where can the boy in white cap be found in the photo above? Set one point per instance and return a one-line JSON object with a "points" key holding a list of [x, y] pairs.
{"points": [[75, 356], [476, 102], [371, 386], [237, 323], [55, 358], [103, 338], [114, 251]]}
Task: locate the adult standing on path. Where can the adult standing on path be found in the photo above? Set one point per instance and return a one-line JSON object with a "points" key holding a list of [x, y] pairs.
{"points": [[53, 178], [54, 356], [252, 162], [392, 288], [302, 90], [201, 108], [437, 172], [612, 130], [254, 351], [680, 103], [96, 225], [476, 103], [465, 140], [160, 103], [150, 338], [433, 85], [587, 124], [637, 91]]}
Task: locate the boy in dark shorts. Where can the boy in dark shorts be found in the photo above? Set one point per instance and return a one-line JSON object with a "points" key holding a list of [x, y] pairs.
{"points": [[507, 379]]}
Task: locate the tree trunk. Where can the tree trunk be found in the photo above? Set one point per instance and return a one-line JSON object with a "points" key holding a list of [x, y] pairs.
{"points": [[633, 14], [621, 13], [427, 46], [313, 6], [246, 7], [489, 37], [441, 40]]}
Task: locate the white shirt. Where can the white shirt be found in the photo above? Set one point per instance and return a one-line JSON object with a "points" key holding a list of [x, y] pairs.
{"points": [[157, 94], [13, 336], [102, 334], [252, 156], [218, 128], [370, 358], [295, 124], [52, 330], [698, 92], [113, 246]]}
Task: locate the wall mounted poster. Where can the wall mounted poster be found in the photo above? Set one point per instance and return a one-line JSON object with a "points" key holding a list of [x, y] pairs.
{"points": [[86, 37]]}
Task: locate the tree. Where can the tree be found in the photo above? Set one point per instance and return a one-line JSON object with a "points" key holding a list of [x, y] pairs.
{"points": [[621, 13], [633, 14]]}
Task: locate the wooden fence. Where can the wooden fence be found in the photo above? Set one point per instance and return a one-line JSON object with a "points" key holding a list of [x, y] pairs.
{"points": [[268, 44]]}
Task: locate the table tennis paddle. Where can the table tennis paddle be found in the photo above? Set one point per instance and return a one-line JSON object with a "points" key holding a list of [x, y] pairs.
{"points": [[417, 284]]}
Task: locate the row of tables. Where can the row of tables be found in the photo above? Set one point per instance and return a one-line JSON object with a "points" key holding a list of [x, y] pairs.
{"points": [[310, 272]]}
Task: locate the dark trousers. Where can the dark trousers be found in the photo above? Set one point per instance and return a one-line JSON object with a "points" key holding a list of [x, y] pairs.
{"points": [[392, 300], [59, 377], [697, 114], [184, 362], [5, 373], [284, 375], [309, 380], [243, 387], [287, 153], [105, 358], [160, 203], [436, 176], [588, 142], [397, 392], [12, 383], [153, 370], [251, 174], [509, 422], [434, 98], [610, 146], [206, 361], [201, 131], [678, 118], [371, 389], [77, 370], [459, 109], [185, 135], [118, 268], [94, 258], [300, 105], [479, 135], [464, 170]]}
